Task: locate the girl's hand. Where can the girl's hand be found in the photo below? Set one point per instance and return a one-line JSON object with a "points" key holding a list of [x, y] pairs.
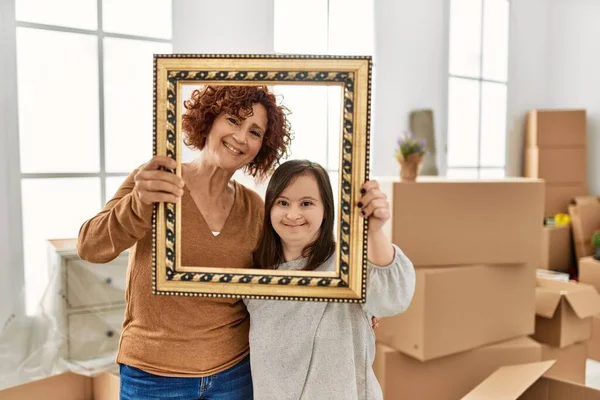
{"points": [[153, 185], [374, 205], [374, 322]]}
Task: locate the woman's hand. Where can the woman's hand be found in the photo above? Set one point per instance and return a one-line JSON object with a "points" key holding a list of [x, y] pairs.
{"points": [[153, 185], [374, 205]]}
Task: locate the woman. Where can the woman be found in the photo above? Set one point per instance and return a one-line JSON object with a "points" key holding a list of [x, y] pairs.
{"points": [[312, 350], [177, 347]]}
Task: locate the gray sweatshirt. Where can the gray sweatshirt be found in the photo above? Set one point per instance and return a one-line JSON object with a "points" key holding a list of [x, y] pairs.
{"points": [[319, 350]]}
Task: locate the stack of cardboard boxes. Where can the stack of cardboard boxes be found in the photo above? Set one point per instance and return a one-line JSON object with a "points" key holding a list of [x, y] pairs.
{"points": [[589, 273], [556, 151], [563, 325], [478, 303], [476, 246]]}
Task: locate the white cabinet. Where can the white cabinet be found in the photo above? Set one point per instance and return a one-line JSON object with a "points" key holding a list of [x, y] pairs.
{"points": [[86, 302], [94, 333]]}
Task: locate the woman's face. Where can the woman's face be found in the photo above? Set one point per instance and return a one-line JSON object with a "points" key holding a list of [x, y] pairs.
{"points": [[298, 212], [233, 142]]}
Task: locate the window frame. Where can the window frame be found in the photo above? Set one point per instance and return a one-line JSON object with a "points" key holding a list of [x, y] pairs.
{"points": [[327, 166], [8, 49], [480, 81]]}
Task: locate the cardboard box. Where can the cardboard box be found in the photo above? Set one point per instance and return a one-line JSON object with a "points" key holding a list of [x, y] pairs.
{"points": [[557, 165], [461, 308], [556, 128], [570, 362], [447, 378], [564, 311], [557, 248], [589, 272], [67, 386], [526, 382], [442, 222], [585, 219], [558, 196], [594, 342]]}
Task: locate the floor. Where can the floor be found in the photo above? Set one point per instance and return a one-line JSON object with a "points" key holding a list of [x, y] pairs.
{"points": [[592, 374]]}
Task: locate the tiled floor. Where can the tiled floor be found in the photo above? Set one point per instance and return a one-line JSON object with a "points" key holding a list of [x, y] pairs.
{"points": [[592, 374]]}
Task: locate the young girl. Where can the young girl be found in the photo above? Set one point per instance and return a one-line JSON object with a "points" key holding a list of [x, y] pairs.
{"points": [[319, 350]]}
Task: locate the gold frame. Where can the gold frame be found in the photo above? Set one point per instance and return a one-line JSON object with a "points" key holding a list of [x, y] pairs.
{"points": [[348, 282]]}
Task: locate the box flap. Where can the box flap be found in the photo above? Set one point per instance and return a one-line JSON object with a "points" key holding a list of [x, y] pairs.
{"points": [[508, 383], [105, 386], [585, 301], [67, 386], [546, 301], [585, 220], [579, 200]]}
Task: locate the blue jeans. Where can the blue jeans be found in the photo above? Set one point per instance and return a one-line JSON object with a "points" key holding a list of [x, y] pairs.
{"points": [[234, 383]]}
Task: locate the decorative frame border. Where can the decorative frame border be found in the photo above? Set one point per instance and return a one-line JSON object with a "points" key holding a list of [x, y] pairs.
{"points": [[348, 282]]}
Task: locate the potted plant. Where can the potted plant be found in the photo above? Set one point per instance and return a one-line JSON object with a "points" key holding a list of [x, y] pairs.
{"points": [[596, 244], [409, 154]]}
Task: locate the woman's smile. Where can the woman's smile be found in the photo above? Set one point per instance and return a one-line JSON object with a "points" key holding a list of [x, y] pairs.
{"points": [[232, 149]]}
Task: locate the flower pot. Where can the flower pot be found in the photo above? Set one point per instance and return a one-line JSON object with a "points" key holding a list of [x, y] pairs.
{"points": [[597, 256], [409, 166]]}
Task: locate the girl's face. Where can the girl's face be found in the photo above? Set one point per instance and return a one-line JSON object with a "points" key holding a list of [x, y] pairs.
{"points": [[298, 212]]}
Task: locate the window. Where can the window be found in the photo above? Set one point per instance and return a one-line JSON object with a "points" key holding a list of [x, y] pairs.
{"points": [[343, 27], [477, 88], [84, 75]]}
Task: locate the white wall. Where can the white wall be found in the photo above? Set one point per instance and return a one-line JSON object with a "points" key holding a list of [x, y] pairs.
{"points": [[574, 69], [11, 258], [411, 52], [224, 26], [554, 63], [528, 80]]}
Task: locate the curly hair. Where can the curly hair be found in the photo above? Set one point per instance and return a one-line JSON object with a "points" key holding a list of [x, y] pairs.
{"points": [[209, 102]]}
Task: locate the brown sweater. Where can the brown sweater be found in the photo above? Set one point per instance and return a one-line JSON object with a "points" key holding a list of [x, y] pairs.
{"points": [[176, 335]]}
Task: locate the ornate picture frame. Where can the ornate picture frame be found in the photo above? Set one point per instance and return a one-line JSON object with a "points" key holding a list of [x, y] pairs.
{"points": [[353, 74]]}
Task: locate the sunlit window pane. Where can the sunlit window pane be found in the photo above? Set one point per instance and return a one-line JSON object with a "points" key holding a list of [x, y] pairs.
{"points": [[462, 173], [52, 209], [334, 130], [477, 126], [128, 98], [251, 183], [463, 122], [351, 27], [492, 173], [334, 178], [58, 101], [495, 40], [138, 17], [308, 106], [81, 14], [300, 26], [465, 37], [112, 185], [493, 124], [187, 154]]}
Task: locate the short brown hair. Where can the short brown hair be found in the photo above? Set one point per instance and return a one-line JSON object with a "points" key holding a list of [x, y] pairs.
{"points": [[269, 251], [210, 101]]}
